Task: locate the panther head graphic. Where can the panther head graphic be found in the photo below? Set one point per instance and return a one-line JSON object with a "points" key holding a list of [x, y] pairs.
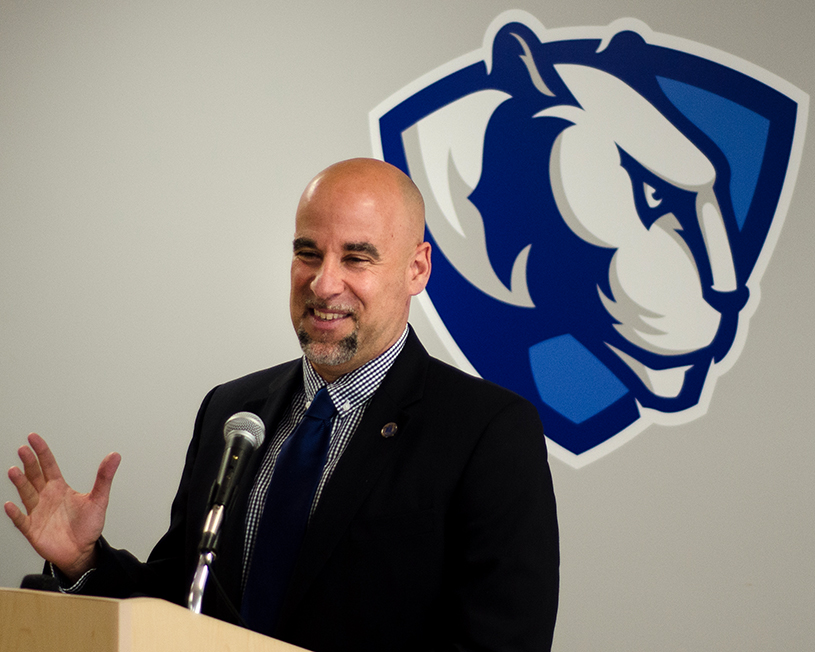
{"points": [[591, 205]]}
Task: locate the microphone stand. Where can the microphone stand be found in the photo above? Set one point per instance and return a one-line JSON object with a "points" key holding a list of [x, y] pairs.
{"points": [[206, 557], [199, 582]]}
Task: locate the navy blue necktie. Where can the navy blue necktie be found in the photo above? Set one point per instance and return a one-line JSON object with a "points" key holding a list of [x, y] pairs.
{"points": [[285, 515]]}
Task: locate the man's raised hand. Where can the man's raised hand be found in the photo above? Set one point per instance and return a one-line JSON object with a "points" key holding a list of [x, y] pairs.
{"points": [[61, 524]]}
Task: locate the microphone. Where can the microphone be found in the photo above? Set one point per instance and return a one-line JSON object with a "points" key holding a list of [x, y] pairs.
{"points": [[244, 433]]}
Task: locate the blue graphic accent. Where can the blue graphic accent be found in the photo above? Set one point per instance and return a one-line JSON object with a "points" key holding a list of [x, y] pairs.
{"points": [[595, 342], [572, 380], [740, 133]]}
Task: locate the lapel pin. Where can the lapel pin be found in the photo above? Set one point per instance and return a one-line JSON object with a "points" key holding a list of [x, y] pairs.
{"points": [[389, 430]]}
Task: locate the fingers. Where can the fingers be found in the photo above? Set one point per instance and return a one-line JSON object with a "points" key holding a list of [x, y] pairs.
{"points": [[31, 466], [28, 493], [40, 465], [48, 463], [17, 517]]}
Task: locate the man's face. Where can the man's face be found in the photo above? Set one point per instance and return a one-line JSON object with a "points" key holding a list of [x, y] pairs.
{"points": [[356, 264]]}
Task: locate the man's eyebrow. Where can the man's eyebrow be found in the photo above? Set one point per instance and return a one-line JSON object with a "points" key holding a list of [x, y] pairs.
{"points": [[304, 243], [362, 248], [349, 247]]}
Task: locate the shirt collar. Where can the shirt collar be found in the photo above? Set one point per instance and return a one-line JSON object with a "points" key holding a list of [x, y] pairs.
{"points": [[354, 388]]}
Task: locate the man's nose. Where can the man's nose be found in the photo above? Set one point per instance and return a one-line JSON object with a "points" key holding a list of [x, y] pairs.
{"points": [[328, 281]]}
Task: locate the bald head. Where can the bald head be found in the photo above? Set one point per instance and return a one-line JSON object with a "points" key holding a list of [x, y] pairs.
{"points": [[375, 177]]}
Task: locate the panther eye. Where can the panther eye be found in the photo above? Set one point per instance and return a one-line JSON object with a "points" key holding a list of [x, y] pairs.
{"points": [[652, 196]]}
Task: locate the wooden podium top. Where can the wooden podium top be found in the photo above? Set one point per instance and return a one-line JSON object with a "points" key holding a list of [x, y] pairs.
{"points": [[37, 621]]}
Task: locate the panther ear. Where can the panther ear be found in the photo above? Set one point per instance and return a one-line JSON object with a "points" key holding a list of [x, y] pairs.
{"points": [[517, 65]]}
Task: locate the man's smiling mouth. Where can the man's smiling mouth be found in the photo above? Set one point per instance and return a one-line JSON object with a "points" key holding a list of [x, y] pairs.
{"points": [[329, 316]]}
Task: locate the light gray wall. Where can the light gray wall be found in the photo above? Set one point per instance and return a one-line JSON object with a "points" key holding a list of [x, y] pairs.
{"points": [[151, 156]]}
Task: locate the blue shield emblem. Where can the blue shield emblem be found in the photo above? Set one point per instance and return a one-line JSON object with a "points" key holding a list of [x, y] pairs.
{"points": [[602, 203]]}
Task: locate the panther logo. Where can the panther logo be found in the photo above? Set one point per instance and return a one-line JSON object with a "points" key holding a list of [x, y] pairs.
{"points": [[604, 201]]}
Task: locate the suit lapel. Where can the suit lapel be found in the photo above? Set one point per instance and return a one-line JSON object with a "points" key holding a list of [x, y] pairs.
{"points": [[368, 453]]}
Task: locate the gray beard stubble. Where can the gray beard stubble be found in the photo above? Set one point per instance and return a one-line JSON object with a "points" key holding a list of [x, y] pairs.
{"points": [[341, 352]]}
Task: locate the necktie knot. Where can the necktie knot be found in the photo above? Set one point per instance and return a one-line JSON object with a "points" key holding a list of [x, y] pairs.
{"points": [[322, 407]]}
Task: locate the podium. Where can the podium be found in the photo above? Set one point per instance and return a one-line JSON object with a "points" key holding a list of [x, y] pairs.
{"points": [[38, 621]]}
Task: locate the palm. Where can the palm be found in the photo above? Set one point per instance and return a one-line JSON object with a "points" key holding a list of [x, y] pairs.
{"points": [[63, 516]]}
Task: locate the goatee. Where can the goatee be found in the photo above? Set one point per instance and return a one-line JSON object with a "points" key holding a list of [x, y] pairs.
{"points": [[328, 353]]}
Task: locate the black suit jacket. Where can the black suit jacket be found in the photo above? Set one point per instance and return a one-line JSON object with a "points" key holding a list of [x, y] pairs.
{"points": [[442, 537]]}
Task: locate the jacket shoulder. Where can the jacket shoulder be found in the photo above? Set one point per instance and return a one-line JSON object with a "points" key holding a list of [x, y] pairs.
{"points": [[449, 382], [260, 383]]}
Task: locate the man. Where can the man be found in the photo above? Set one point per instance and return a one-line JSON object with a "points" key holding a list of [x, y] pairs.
{"points": [[433, 523]]}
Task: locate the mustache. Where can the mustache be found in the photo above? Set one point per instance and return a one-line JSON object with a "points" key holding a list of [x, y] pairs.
{"points": [[317, 304]]}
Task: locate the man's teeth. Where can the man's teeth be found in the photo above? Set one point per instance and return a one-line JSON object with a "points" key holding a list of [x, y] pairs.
{"points": [[328, 316]]}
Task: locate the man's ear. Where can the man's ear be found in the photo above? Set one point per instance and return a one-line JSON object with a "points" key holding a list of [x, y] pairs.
{"points": [[419, 269]]}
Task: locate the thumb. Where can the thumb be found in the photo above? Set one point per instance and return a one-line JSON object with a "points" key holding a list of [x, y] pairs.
{"points": [[104, 478]]}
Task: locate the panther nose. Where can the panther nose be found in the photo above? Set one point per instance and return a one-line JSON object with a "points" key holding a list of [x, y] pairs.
{"points": [[727, 301], [717, 244]]}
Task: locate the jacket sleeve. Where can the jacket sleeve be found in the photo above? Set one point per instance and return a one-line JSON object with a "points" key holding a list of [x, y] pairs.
{"points": [[504, 540]]}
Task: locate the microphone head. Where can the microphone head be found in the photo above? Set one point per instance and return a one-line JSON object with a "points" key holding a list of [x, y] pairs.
{"points": [[247, 426]]}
